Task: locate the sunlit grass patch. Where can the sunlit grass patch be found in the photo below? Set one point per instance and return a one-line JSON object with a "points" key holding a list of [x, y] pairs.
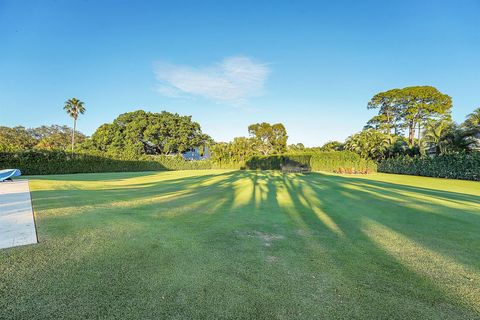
{"points": [[246, 244]]}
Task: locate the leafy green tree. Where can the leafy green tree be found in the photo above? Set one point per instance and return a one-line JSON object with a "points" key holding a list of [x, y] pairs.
{"points": [[52, 137], [55, 137], [270, 139], [390, 112], [16, 139], [378, 122], [297, 147], [410, 107], [332, 146], [74, 107], [136, 133], [237, 151], [422, 103], [243, 148]]}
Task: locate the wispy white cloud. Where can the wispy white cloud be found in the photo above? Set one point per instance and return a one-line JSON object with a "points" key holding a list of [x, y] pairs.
{"points": [[234, 79]]}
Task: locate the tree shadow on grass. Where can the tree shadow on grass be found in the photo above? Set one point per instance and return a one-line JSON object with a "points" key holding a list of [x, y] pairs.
{"points": [[104, 176], [255, 244], [391, 225], [104, 194], [460, 198], [337, 224], [430, 217]]}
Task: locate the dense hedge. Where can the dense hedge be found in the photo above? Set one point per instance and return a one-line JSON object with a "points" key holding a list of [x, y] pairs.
{"points": [[454, 166], [332, 161], [58, 162], [338, 160]]}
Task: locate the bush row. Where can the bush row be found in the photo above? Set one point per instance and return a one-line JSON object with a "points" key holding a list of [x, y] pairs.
{"points": [[58, 162], [332, 161], [454, 166]]}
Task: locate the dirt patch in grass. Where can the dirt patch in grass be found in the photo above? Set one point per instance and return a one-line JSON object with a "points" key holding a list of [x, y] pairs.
{"points": [[272, 259], [267, 238]]}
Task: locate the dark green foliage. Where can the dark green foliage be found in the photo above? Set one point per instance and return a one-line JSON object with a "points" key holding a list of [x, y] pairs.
{"points": [[36, 162], [464, 166], [58, 162], [52, 137], [137, 133], [55, 137], [320, 161], [178, 163], [332, 161], [15, 139], [273, 162]]}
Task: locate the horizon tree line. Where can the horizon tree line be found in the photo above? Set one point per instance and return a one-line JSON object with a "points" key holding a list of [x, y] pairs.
{"points": [[421, 111]]}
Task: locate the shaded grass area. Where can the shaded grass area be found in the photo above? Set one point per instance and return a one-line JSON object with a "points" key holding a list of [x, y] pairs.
{"points": [[247, 245]]}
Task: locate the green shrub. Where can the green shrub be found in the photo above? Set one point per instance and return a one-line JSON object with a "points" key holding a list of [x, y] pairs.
{"points": [[231, 164], [273, 162], [331, 161], [335, 161], [58, 162], [454, 166]]}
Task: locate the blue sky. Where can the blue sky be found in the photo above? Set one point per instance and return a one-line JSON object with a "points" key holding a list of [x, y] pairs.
{"points": [[312, 65]]}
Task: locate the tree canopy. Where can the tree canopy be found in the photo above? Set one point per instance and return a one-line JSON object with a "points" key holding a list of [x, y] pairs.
{"points": [[15, 139], [52, 137], [270, 139], [409, 108], [389, 114], [140, 132]]}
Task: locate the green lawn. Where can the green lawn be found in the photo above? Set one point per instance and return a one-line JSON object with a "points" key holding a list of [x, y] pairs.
{"points": [[247, 245]]}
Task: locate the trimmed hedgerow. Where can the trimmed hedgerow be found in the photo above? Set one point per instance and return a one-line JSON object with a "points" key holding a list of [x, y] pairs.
{"points": [[465, 166], [57, 162], [273, 162], [36, 162], [333, 161], [341, 161]]}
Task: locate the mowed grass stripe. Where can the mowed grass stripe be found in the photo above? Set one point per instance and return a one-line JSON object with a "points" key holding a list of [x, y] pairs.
{"points": [[245, 244]]}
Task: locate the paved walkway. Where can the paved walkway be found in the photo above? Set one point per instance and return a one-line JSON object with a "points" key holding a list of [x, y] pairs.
{"points": [[17, 226]]}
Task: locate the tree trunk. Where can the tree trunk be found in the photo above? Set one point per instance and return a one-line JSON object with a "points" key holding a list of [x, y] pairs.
{"points": [[411, 132], [419, 134], [73, 133], [389, 124]]}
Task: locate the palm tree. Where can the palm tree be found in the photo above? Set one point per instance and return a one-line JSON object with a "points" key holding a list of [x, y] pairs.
{"points": [[473, 119], [74, 108], [435, 132], [370, 143], [458, 140]]}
